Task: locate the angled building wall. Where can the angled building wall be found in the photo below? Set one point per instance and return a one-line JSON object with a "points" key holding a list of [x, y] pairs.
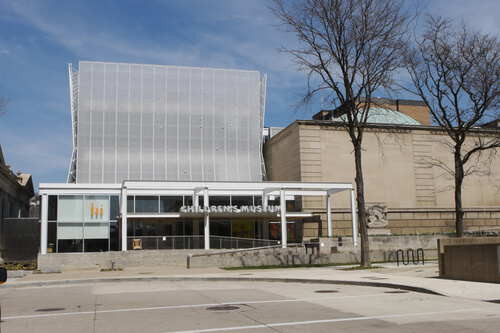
{"points": [[151, 122]]}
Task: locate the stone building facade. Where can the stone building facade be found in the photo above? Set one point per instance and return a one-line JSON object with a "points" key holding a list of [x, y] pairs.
{"points": [[404, 187], [16, 190]]}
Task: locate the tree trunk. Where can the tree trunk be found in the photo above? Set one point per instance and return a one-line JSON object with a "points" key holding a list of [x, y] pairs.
{"points": [[459, 179], [360, 199]]}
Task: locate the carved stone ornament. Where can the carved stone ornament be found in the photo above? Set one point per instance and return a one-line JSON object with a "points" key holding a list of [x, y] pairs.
{"points": [[377, 215]]}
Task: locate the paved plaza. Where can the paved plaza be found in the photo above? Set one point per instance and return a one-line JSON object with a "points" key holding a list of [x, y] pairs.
{"points": [[390, 299]]}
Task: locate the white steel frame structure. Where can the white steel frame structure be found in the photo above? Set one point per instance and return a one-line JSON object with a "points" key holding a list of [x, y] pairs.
{"points": [[198, 190], [155, 122], [73, 93]]}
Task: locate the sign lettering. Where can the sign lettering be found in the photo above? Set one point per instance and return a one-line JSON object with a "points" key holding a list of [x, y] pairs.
{"points": [[230, 209], [96, 211]]}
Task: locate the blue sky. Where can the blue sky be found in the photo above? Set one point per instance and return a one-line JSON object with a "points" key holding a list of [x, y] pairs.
{"points": [[38, 38]]}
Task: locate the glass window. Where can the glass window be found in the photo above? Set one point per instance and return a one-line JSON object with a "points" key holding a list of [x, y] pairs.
{"points": [[114, 208], [96, 208], [70, 245], [96, 245], [243, 229], [146, 204], [150, 229], [217, 200], [171, 204], [220, 228], [51, 237], [52, 213], [69, 230], [179, 228], [290, 206], [274, 201], [130, 204], [70, 208], [275, 231], [138, 228], [188, 228], [114, 240], [96, 230], [130, 228], [242, 201]]}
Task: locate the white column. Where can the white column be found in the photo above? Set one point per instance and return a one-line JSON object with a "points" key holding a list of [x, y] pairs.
{"points": [[44, 221], [329, 214], [123, 210], [354, 219], [206, 219], [283, 219]]}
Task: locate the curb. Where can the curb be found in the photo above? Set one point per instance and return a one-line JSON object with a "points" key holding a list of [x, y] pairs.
{"points": [[246, 279]]}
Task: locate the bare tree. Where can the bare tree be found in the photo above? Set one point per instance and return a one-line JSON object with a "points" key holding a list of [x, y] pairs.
{"points": [[349, 49], [456, 72]]}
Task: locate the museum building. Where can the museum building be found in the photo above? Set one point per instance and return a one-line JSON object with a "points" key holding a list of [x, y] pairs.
{"points": [[169, 157], [406, 170]]}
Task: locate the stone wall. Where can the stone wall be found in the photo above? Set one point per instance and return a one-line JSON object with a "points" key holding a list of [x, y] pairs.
{"points": [[397, 173], [403, 222], [99, 260]]}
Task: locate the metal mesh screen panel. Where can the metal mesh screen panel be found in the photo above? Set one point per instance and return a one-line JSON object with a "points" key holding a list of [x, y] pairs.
{"points": [[150, 122]]}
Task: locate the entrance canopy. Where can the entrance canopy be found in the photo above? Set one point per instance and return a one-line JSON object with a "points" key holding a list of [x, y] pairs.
{"points": [[202, 200]]}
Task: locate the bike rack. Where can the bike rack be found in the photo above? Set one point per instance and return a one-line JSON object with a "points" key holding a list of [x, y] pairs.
{"points": [[416, 262]]}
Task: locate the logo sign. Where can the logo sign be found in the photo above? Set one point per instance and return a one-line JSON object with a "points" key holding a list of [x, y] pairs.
{"points": [[96, 212], [230, 209], [96, 209]]}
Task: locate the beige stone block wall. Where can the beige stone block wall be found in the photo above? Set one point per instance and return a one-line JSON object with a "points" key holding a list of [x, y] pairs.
{"points": [[282, 156], [397, 171], [383, 167], [480, 189], [396, 166], [410, 222]]}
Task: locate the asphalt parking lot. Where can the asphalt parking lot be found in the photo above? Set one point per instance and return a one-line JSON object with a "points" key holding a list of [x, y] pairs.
{"points": [[151, 305]]}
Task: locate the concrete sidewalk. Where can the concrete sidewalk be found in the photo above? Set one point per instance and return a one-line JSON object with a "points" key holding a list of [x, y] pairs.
{"points": [[421, 278]]}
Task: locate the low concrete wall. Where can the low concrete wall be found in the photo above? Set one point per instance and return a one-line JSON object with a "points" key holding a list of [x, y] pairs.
{"points": [[377, 243], [382, 249], [472, 259], [240, 259], [52, 262]]}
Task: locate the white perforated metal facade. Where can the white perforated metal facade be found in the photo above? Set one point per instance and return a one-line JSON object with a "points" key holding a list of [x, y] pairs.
{"points": [[151, 122]]}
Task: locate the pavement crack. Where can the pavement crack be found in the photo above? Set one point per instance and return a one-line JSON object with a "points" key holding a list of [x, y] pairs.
{"points": [[95, 312]]}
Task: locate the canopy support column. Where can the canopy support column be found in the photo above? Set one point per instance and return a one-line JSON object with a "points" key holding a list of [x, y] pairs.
{"points": [[206, 219], [44, 223], [123, 211], [284, 228], [354, 219], [329, 214]]}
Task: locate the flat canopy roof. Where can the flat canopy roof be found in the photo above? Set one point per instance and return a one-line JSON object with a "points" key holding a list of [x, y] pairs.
{"points": [[215, 188]]}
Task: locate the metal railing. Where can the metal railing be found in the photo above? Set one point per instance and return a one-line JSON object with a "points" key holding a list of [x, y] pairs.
{"points": [[166, 242], [194, 242], [224, 242], [296, 248]]}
